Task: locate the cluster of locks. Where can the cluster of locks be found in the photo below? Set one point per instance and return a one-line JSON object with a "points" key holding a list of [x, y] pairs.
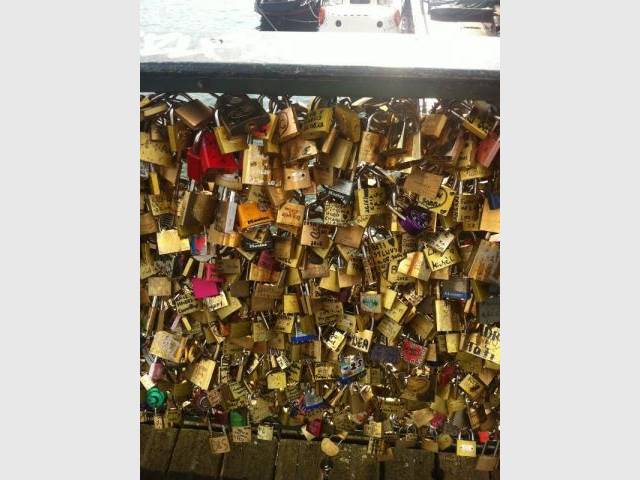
{"points": [[332, 268]]}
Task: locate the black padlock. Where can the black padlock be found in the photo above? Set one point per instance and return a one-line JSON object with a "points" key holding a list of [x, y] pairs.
{"points": [[240, 114]]}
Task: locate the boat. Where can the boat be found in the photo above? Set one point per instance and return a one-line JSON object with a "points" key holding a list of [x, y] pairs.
{"points": [[362, 16], [463, 17], [481, 11], [292, 15]]}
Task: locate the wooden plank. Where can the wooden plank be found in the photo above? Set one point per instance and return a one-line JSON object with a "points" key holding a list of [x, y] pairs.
{"points": [[459, 468], [295, 457], [410, 464], [192, 458], [298, 459], [353, 463], [250, 461], [145, 434], [156, 454]]}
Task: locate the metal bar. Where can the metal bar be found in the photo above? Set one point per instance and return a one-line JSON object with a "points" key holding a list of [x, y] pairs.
{"points": [[329, 64]]}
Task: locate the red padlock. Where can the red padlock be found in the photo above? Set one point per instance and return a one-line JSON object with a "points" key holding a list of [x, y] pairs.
{"points": [[483, 437], [438, 420], [267, 261], [487, 149], [207, 286], [314, 427], [194, 164], [212, 158], [446, 374]]}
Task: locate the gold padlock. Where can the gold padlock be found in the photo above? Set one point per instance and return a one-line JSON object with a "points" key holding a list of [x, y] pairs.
{"points": [[318, 121]]}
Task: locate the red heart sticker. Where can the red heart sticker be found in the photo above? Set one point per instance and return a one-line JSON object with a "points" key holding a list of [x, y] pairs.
{"points": [[412, 352]]}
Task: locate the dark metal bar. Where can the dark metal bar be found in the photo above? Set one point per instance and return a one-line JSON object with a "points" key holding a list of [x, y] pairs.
{"points": [[327, 64]]}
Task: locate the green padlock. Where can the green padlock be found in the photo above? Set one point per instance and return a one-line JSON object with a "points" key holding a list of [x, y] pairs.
{"points": [[236, 419], [156, 398]]}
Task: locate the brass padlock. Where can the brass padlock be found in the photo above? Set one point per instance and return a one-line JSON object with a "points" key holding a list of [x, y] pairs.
{"points": [[395, 141], [318, 121], [369, 148], [348, 122], [287, 123], [227, 143], [194, 114], [432, 125], [340, 155]]}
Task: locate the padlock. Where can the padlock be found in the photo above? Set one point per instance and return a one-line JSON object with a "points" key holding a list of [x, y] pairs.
{"points": [[347, 121], [298, 150], [330, 446], [412, 153], [177, 132], [466, 448], [296, 178], [209, 286], [493, 193], [155, 398], [194, 114], [184, 210], [489, 147], [226, 143], [240, 114], [369, 148], [203, 209], [314, 234], [433, 124], [158, 153], [467, 158], [227, 209], [470, 125], [413, 220], [256, 165], [362, 340], [318, 121], [251, 216], [342, 188], [329, 140], [395, 141], [218, 443], [152, 110], [340, 155], [370, 200], [287, 122]]}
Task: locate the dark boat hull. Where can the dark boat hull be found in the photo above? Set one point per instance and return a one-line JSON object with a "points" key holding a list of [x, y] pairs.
{"points": [[297, 15]]}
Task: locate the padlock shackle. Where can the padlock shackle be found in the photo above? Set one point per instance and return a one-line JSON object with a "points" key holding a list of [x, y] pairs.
{"points": [[370, 118]]}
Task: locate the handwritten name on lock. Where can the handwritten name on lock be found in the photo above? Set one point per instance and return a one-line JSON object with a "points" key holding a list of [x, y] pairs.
{"points": [[441, 204], [438, 261], [291, 214]]}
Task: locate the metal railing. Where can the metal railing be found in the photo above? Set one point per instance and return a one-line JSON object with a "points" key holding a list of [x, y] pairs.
{"points": [[297, 63]]}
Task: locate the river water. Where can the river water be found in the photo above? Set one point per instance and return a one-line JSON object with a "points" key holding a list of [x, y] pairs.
{"points": [[197, 18]]}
